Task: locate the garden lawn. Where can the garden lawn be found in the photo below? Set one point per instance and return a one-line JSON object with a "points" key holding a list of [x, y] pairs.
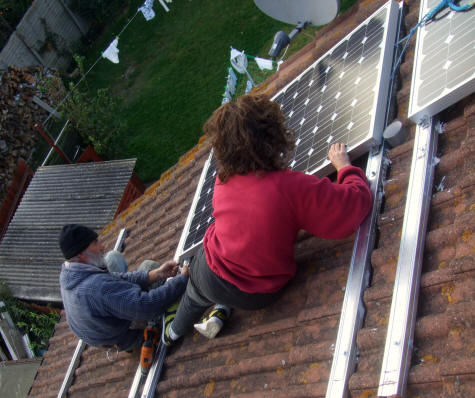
{"points": [[173, 69]]}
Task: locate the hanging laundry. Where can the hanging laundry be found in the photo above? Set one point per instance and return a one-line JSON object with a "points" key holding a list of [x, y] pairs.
{"points": [[226, 97], [112, 52], [264, 63], [232, 75], [147, 10], [230, 86], [238, 60], [249, 86], [231, 81], [164, 5]]}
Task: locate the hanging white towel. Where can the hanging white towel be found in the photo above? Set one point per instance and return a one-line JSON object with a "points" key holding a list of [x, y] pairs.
{"points": [[147, 10], [264, 63], [112, 52]]}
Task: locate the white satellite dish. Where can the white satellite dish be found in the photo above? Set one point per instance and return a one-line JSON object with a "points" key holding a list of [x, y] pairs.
{"points": [[316, 12]]}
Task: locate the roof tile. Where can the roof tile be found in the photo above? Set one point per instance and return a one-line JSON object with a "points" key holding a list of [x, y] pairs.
{"points": [[286, 349]]}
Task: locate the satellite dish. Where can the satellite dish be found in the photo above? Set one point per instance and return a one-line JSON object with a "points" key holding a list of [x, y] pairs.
{"points": [[316, 12]]}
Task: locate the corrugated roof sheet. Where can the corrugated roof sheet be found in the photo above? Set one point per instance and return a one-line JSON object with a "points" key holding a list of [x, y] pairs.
{"points": [[84, 193], [286, 350]]}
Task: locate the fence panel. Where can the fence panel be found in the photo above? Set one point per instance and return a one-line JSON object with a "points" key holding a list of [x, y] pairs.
{"points": [[45, 36]]}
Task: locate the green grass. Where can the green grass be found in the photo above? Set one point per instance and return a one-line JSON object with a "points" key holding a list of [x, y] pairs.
{"points": [[173, 68]]}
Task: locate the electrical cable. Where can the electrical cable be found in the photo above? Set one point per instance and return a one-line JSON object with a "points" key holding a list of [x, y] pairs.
{"points": [[285, 52], [425, 19]]}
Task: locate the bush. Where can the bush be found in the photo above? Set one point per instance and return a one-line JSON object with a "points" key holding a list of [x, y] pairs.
{"points": [[96, 118], [38, 326]]}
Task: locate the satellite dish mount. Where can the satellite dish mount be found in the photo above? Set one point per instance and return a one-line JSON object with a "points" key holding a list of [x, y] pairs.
{"points": [[313, 12], [281, 39]]}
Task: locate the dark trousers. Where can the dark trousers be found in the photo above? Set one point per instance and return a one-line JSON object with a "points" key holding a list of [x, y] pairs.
{"points": [[205, 288]]}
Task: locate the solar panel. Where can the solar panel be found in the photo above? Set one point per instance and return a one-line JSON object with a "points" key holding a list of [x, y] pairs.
{"points": [[444, 64], [341, 97], [200, 215]]}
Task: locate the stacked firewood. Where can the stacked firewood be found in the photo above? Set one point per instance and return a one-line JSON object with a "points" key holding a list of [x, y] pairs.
{"points": [[19, 113]]}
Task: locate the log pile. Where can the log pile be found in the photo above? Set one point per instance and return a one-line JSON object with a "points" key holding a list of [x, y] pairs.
{"points": [[18, 115]]}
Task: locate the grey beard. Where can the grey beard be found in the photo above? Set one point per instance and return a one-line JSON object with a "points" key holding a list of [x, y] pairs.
{"points": [[96, 260]]}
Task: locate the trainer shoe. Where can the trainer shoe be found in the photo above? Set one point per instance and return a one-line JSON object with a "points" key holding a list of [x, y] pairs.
{"points": [[211, 324], [167, 320]]}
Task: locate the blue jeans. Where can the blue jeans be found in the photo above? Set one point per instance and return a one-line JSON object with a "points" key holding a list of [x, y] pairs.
{"points": [[116, 263]]}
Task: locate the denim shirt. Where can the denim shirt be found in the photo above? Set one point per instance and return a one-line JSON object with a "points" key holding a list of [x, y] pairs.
{"points": [[101, 305]]}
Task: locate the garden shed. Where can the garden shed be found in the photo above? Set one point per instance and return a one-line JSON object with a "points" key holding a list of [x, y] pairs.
{"points": [[82, 193]]}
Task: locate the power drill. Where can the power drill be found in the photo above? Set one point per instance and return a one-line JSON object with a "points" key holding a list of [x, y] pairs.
{"points": [[149, 346]]}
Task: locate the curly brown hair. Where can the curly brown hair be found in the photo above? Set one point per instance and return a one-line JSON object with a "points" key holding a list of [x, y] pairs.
{"points": [[249, 135]]}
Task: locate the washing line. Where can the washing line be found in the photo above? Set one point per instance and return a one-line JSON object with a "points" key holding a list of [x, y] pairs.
{"points": [[146, 7]]}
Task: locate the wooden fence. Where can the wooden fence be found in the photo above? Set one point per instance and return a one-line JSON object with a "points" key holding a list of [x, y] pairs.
{"points": [[45, 36]]}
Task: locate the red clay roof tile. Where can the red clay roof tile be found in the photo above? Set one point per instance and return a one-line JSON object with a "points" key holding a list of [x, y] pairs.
{"points": [[286, 349]]}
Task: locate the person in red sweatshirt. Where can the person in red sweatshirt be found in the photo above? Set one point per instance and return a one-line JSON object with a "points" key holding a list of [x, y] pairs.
{"points": [[260, 205]]}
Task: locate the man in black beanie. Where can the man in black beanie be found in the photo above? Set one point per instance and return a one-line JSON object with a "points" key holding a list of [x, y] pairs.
{"points": [[101, 305]]}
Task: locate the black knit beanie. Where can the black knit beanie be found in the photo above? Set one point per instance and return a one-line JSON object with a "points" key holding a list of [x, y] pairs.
{"points": [[74, 239]]}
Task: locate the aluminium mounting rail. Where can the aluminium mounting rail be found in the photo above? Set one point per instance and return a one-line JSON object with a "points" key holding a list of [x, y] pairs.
{"points": [[68, 378], [399, 338], [152, 377], [353, 311], [155, 371], [159, 355]]}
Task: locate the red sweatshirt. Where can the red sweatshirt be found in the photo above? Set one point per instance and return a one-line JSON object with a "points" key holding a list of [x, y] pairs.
{"points": [[251, 242]]}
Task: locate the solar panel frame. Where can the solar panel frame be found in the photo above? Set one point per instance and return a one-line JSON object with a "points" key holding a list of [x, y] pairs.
{"points": [[194, 230], [422, 107], [181, 252]]}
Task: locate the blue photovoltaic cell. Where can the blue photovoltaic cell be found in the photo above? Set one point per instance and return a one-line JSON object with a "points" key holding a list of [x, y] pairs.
{"points": [[202, 217], [339, 98], [444, 65]]}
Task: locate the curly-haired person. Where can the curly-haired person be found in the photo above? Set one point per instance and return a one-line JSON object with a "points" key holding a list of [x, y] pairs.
{"points": [[260, 205]]}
